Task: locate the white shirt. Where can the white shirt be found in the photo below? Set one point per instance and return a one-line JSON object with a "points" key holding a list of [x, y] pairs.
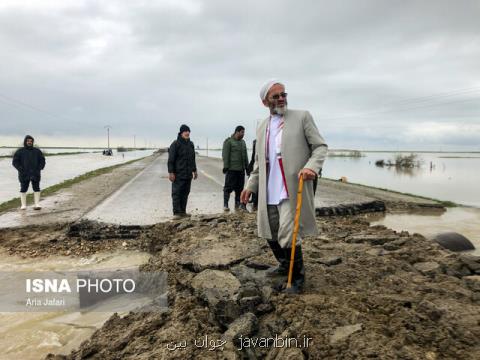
{"points": [[276, 190]]}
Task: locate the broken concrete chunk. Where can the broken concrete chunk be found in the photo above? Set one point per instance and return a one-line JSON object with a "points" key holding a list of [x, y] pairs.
{"points": [[473, 282], [245, 325], [374, 239], [218, 282], [343, 332], [329, 260], [427, 267], [219, 256]]}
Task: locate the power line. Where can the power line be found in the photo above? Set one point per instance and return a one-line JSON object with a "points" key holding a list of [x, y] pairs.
{"points": [[11, 101], [457, 92], [403, 105]]}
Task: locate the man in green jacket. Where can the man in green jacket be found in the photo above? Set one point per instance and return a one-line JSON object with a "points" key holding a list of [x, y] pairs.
{"points": [[235, 163]]}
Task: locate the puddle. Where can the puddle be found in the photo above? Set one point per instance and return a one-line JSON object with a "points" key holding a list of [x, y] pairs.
{"points": [[33, 335], [463, 220]]}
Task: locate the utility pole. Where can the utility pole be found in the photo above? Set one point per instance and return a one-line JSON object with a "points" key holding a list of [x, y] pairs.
{"points": [[207, 146], [134, 142], [108, 127]]}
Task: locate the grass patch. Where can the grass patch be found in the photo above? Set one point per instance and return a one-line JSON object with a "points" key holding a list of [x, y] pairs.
{"points": [[441, 202], [14, 203]]}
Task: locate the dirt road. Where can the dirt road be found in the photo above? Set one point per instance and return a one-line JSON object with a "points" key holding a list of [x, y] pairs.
{"points": [[370, 293]]}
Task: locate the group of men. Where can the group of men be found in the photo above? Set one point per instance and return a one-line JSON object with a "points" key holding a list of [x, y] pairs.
{"points": [[288, 146]]}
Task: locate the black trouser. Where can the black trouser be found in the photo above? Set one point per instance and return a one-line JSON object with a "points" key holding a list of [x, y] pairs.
{"points": [[180, 191], [254, 200], [25, 182], [234, 181]]}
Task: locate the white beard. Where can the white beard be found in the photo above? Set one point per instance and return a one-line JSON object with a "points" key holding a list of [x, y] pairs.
{"points": [[280, 110]]}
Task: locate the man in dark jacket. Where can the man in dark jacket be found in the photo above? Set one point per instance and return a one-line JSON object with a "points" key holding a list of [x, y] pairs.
{"points": [[235, 163], [181, 169], [254, 200], [29, 161]]}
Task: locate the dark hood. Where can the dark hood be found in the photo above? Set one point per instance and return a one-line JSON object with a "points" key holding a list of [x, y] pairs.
{"points": [[25, 140]]}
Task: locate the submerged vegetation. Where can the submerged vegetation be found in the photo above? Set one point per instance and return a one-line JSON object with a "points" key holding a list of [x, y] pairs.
{"points": [[351, 153], [400, 161]]}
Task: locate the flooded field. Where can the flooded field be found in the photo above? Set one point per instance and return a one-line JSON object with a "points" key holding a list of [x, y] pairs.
{"points": [[61, 168], [10, 151], [444, 176]]}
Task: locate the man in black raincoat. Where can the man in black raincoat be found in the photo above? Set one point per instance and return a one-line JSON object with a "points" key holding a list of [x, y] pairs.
{"points": [[29, 161], [181, 169]]}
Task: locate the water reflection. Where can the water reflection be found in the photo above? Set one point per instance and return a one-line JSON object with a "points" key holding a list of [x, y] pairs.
{"points": [[463, 220], [445, 176], [435, 175]]}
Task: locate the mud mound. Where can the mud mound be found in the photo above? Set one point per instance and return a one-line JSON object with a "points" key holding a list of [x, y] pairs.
{"points": [[77, 239], [370, 293]]}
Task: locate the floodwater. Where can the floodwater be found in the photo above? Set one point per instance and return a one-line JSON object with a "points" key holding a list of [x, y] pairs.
{"points": [[33, 335], [463, 220], [10, 151], [444, 176], [451, 176], [62, 167]]}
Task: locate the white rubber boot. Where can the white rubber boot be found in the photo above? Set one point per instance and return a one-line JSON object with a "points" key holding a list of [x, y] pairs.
{"points": [[36, 197], [23, 199]]}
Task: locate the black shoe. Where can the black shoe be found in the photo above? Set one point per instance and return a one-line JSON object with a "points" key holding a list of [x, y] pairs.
{"points": [[282, 268], [294, 289], [279, 270], [298, 273]]}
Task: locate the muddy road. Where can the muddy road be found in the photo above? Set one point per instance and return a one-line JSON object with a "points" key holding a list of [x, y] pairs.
{"points": [[370, 293]]}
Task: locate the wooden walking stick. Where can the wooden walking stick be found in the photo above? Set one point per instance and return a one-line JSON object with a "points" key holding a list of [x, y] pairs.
{"points": [[296, 225]]}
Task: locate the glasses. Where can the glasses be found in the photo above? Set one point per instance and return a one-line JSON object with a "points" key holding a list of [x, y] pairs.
{"points": [[277, 96]]}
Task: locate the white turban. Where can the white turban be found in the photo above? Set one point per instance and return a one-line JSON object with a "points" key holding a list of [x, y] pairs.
{"points": [[267, 86]]}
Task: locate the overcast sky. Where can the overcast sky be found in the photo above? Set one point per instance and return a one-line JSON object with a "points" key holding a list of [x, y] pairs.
{"points": [[374, 74]]}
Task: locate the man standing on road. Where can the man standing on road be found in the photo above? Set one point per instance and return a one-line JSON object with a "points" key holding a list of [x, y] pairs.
{"points": [[254, 200], [235, 163], [181, 169], [288, 146], [29, 161]]}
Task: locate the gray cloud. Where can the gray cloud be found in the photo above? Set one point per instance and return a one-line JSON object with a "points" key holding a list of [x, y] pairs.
{"points": [[146, 67]]}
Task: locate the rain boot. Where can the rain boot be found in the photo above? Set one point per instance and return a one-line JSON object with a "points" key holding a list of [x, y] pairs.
{"points": [[226, 197], [36, 197], [298, 274], [282, 268], [239, 205], [23, 199]]}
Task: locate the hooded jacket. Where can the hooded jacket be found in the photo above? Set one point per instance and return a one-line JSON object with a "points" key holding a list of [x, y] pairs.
{"points": [[181, 158], [28, 161]]}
